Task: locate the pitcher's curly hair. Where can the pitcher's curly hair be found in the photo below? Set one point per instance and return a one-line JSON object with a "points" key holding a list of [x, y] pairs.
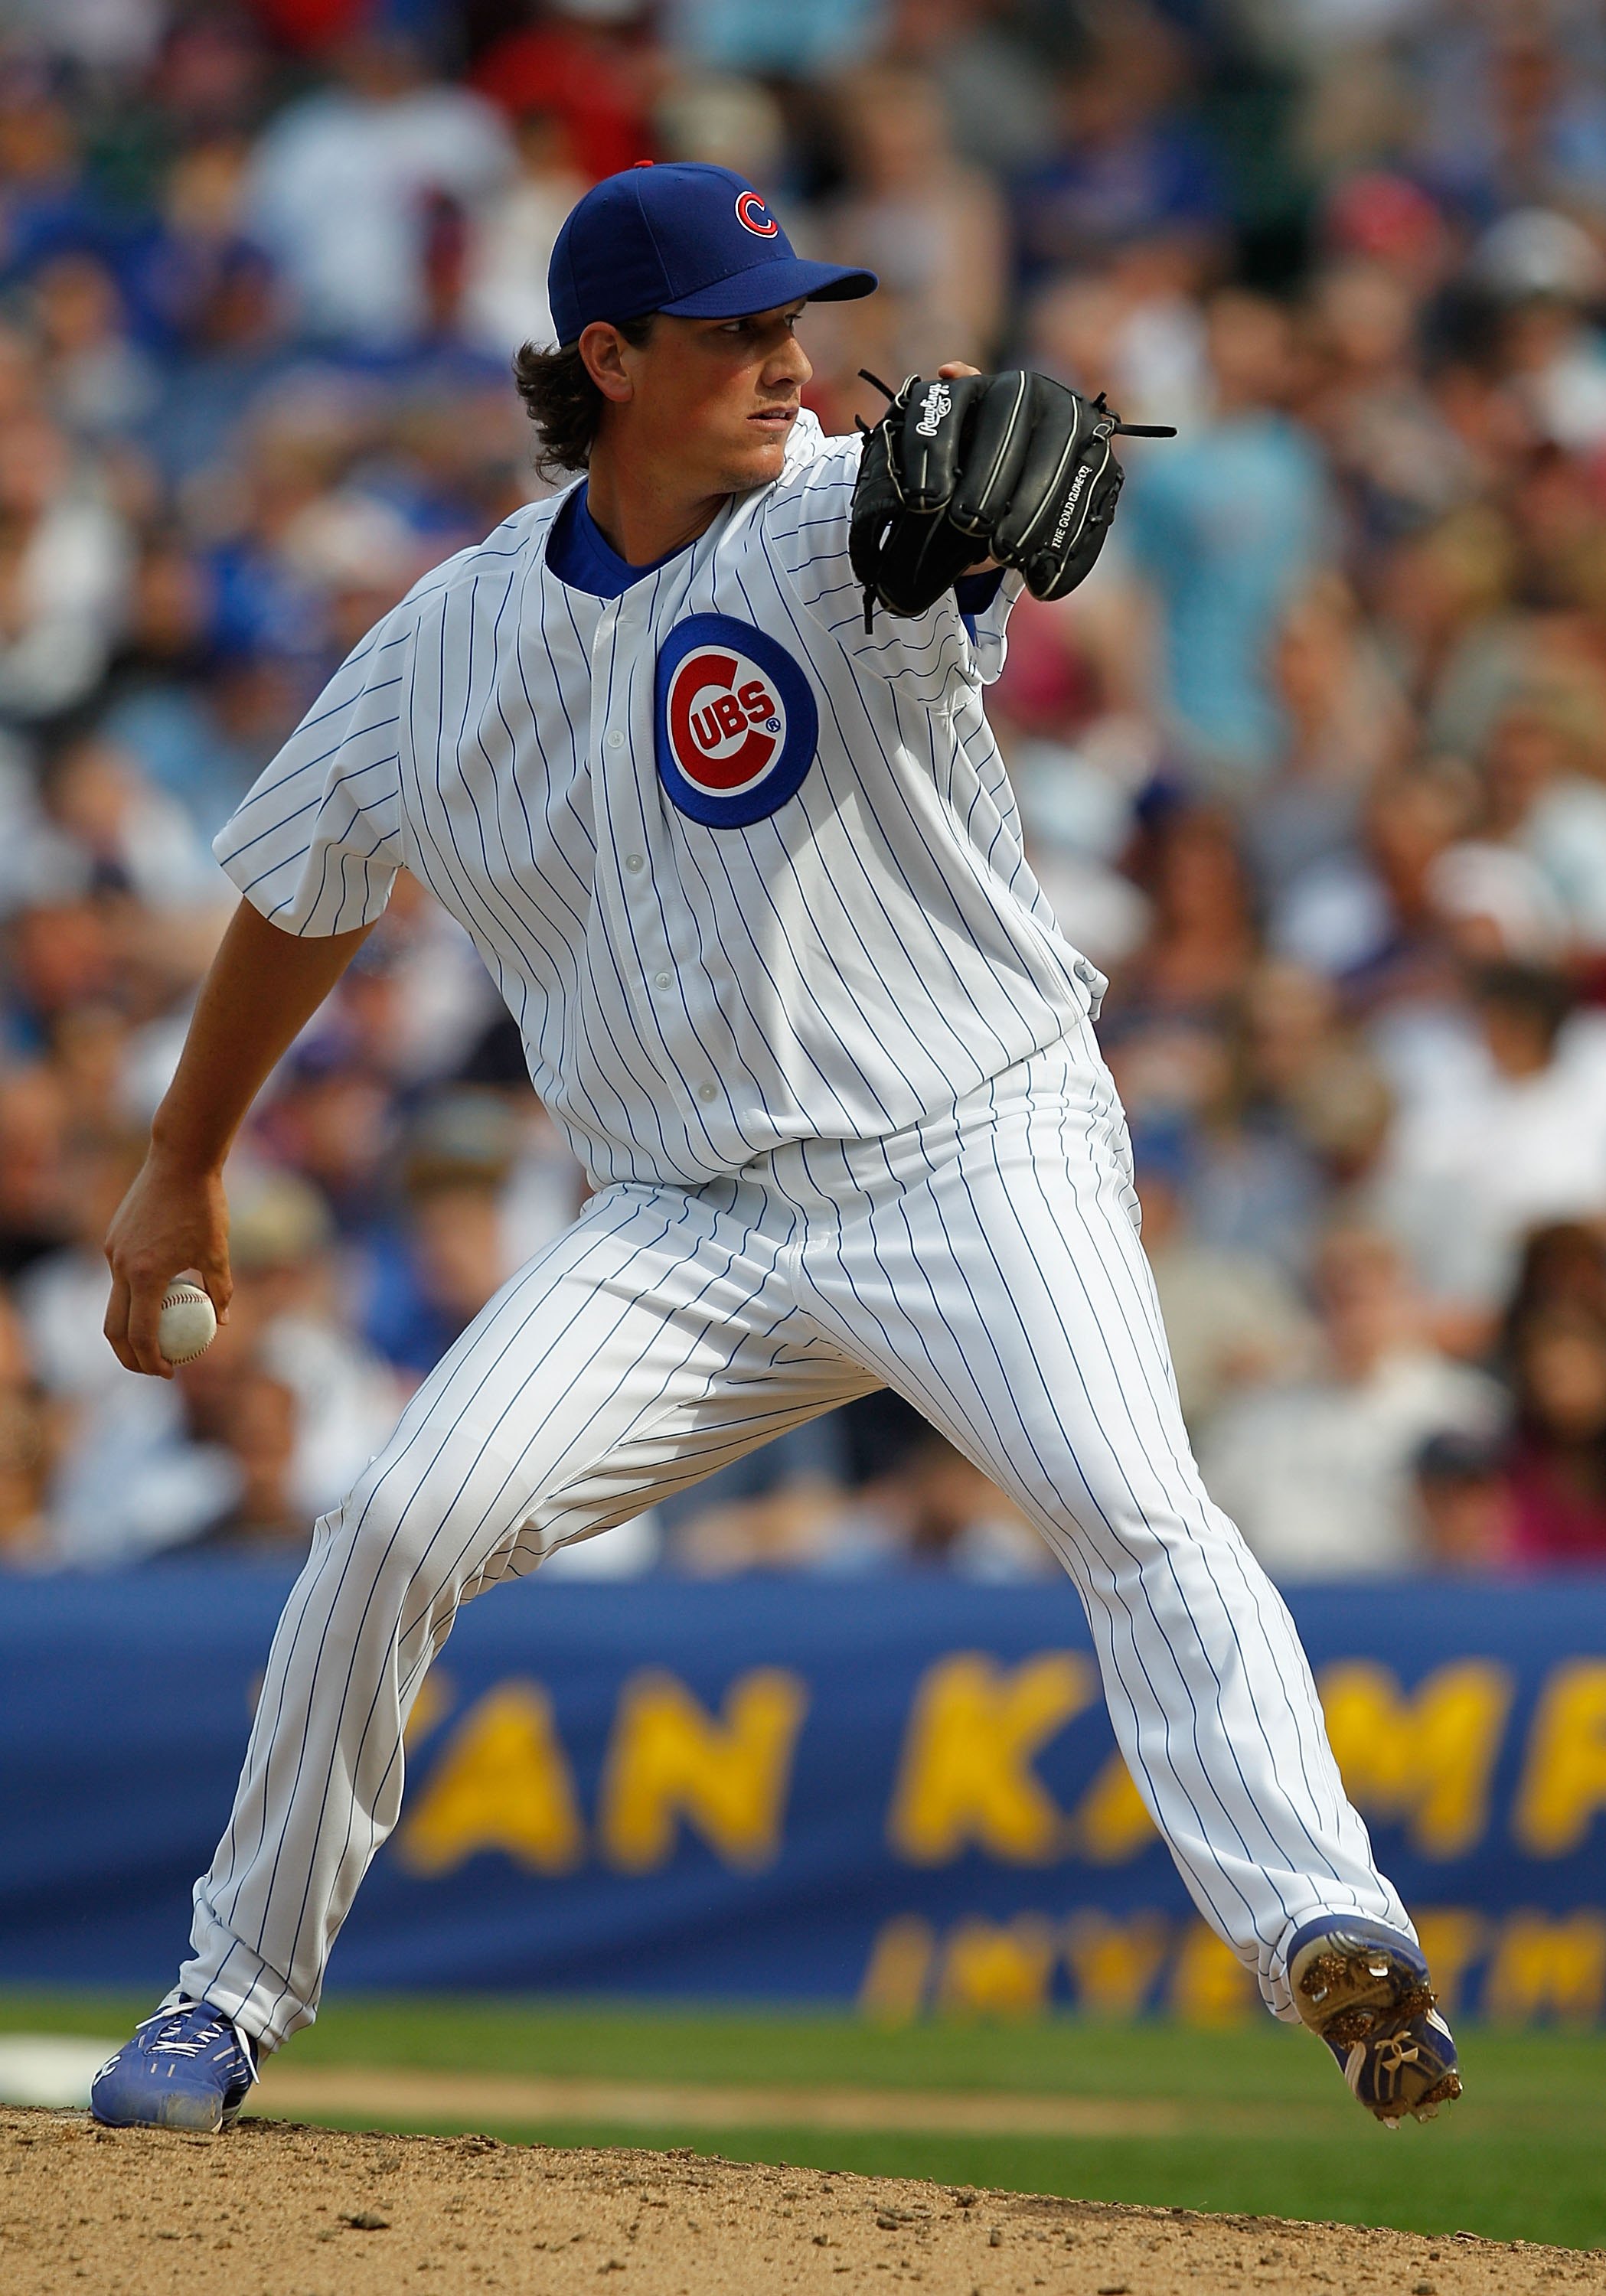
{"points": [[563, 403]]}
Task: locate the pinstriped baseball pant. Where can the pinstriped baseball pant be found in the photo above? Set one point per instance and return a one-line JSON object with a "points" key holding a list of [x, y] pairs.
{"points": [[985, 1263]]}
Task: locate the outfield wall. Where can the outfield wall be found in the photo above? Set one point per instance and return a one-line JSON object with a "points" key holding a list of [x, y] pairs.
{"points": [[898, 1790]]}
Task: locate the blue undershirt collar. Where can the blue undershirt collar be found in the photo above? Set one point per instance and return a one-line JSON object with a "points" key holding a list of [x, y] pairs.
{"points": [[580, 554]]}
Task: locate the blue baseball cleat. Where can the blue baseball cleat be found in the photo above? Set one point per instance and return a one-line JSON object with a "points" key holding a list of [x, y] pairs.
{"points": [[185, 2067], [1364, 1990]]}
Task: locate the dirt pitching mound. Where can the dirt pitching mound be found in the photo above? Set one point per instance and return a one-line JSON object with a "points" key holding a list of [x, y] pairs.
{"points": [[273, 2210]]}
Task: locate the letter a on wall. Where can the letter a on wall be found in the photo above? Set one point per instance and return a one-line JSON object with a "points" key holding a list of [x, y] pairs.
{"points": [[502, 1782]]}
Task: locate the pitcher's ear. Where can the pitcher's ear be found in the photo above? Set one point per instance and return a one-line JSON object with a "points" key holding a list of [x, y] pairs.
{"points": [[601, 348]]}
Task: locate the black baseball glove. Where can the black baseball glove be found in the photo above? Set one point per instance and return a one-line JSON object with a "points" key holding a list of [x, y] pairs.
{"points": [[1008, 466]]}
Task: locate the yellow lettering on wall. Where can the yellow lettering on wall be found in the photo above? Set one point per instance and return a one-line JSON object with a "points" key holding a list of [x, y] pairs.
{"points": [[1564, 1776], [671, 1760], [894, 1988], [1112, 1824], [993, 1969], [1210, 1986], [1114, 1961], [1453, 1937], [1543, 1968], [502, 1782], [966, 1774], [1427, 1757]]}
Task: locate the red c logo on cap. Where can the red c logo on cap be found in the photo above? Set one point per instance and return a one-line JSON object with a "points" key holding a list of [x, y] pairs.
{"points": [[754, 216]]}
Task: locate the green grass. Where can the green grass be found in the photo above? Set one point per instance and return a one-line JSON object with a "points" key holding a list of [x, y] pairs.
{"points": [[1518, 2159]]}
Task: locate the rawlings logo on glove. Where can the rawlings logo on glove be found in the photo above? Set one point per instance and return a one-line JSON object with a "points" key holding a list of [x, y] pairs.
{"points": [[937, 403], [1013, 467]]}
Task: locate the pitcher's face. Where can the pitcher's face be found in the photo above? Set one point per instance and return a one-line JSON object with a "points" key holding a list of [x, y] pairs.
{"points": [[713, 401]]}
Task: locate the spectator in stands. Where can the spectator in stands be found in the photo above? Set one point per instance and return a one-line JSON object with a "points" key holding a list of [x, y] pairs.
{"points": [[930, 226], [432, 1276], [1558, 1468], [930, 1510], [1446, 616], [1344, 724], [30, 1433], [342, 184], [1464, 1504], [147, 1465], [212, 297], [1563, 1265], [1232, 1315], [262, 1522], [750, 36], [1224, 528], [1201, 940], [1129, 331], [135, 839], [26, 1532], [45, 205], [800, 1523], [64, 569], [102, 386], [1317, 1472], [1547, 274], [597, 69], [1368, 913], [939, 1511], [34, 1219], [61, 1296], [1298, 1111], [1130, 167], [1518, 1138], [168, 696], [1516, 117], [1395, 458], [333, 1120], [346, 1398], [1539, 804], [513, 228]]}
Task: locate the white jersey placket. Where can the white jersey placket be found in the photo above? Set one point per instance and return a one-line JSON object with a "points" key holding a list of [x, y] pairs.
{"points": [[631, 852]]}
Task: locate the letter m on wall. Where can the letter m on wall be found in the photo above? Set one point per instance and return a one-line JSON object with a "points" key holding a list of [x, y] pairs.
{"points": [[1425, 1757]]}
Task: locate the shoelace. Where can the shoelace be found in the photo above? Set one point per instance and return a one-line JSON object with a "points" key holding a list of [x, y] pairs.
{"points": [[180, 2036]]}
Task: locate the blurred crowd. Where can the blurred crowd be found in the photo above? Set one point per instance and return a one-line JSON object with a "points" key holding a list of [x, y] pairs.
{"points": [[1315, 769]]}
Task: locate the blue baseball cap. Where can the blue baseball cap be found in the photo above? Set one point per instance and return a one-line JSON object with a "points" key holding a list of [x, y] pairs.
{"points": [[695, 241]]}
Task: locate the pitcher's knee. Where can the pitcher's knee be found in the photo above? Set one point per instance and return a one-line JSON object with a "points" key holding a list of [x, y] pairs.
{"points": [[442, 1523], [384, 1530]]}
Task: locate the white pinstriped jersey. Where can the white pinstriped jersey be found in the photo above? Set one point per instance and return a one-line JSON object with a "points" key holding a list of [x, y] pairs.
{"points": [[744, 873]]}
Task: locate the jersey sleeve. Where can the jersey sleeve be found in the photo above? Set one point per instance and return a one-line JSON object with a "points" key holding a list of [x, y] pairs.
{"points": [[317, 843], [806, 530]]}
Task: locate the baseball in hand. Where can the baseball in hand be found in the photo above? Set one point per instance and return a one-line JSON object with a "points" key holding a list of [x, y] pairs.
{"points": [[188, 1322]]}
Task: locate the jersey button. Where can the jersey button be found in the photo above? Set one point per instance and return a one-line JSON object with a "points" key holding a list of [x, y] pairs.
{"points": [[634, 863], [708, 1092], [660, 981], [615, 738]]}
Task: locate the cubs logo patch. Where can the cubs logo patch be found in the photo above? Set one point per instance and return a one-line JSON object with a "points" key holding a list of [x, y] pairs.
{"points": [[754, 216], [737, 721]]}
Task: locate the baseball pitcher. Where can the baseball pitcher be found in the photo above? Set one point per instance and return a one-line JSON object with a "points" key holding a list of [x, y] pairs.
{"points": [[696, 751]]}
